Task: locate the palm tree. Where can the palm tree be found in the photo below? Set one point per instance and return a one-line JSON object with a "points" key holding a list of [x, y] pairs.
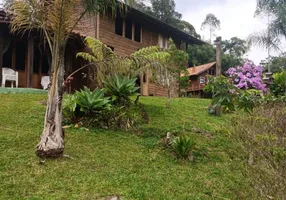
{"points": [[56, 19], [276, 30]]}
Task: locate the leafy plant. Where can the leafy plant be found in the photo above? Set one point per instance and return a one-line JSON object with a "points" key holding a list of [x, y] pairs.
{"points": [[261, 137], [248, 99], [69, 106], [183, 146], [121, 88], [223, 92], [278, 87], [91, 101]]}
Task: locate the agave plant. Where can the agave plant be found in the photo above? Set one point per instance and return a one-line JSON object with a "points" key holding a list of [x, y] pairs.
{"points": [[183, 146], [121, 88], [91, 101]]}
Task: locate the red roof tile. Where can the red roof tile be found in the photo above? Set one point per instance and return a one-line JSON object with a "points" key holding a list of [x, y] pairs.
{"points": [[198, 69]]}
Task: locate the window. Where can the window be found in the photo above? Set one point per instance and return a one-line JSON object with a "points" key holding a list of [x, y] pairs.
{"points": [[137, 32], [112, 48], [20, 55], [119, 25], [7, 57], [128, 28], [202, 80], [161, 41]]}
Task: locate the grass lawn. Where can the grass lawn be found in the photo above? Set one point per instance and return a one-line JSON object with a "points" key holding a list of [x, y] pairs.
{"points": [[134, 166]]}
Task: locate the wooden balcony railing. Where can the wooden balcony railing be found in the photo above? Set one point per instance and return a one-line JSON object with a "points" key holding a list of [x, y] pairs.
{"points": [[196, 87]]}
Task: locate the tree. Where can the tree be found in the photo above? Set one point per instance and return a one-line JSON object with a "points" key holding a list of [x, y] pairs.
{"points": [[164, 10], [233, 49], [276, 12], [211, 23], [164, 65], [56, 20], [275, 63], [235, 46], [188, 28]]}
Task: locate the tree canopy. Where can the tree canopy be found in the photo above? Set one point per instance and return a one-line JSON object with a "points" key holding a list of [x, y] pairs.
{"points": [[234, 49], [211, 23], [165, 11]]}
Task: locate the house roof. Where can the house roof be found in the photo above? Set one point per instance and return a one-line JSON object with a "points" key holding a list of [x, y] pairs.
{"points": [[172, 31], [194, 71]]}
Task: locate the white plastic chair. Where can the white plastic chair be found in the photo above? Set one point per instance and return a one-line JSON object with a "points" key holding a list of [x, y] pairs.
{"points": [[9, 75], [45, 81]]}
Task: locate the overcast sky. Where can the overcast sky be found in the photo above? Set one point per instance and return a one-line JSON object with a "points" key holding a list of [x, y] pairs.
{"points": [[236, 16]]}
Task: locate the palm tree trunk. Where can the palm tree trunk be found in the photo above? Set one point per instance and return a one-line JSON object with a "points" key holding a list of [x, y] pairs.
{"points": [[51, 144]]}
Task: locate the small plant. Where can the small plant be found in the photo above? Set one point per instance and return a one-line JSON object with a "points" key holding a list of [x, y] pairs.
{"points": [[248, 99], [121, 88], [69, 106], [91, 101], [223, 92], [278, 87], [183, 146]]}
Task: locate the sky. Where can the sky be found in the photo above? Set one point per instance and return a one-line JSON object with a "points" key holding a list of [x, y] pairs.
{"points": [[236, 16]]}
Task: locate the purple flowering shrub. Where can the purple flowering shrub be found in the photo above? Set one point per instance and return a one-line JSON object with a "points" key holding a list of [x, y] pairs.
{"points": [[247, 76]]}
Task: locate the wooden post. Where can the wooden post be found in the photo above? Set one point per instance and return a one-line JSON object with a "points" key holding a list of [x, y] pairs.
{"points": [[218, 109], [30, 62], [1, 54]]}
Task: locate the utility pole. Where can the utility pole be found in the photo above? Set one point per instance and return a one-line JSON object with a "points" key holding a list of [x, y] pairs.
{"points": [[218, 109]]}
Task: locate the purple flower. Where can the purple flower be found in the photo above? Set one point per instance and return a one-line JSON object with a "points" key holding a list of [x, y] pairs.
{"points": [[247, 76]]}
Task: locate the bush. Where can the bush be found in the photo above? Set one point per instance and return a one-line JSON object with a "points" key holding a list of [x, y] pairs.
{"points": [[247, 76], [121, 88], [183, 146], [262, 138], [278, 87], [230, 97], [223, 92], [248, 99], [91, 101], [84, 103]]}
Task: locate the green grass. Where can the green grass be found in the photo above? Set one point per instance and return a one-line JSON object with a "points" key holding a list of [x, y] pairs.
{"points": [[6, 90], [134, 166]]}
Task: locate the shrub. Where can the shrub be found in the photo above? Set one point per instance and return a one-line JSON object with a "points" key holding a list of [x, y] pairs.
{"points": [[223, 92], [262, 138], [278, 87], [183, 146], [121, 88], [248, 99], [247, 76], [91, 101], [69, 106]]}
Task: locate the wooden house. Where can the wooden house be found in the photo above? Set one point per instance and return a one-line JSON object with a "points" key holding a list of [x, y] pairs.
{"points": [[198, 78], [123, 34]]}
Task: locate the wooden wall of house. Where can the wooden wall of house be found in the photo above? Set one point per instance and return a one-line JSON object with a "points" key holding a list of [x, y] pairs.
{"points": [[195, 84], [103, 28]]}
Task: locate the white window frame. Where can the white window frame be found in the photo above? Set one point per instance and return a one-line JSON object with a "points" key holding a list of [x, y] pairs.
{"points": [[202, 80]]}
